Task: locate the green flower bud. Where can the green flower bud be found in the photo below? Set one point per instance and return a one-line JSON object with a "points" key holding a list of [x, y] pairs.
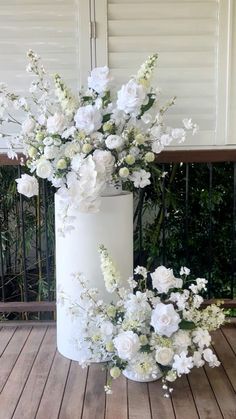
{"points": [[39, 136], [115, 372], [143, 340], [149, 157], [86, 148], [124, 172], [110, 346], [61, 164], [140, 139], [32, 151], [107, 126], [130, 159]]}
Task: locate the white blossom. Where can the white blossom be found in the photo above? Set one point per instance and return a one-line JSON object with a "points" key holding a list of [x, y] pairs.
{"points": [[99, 79], [27, 185], [127, 344], [165, 319], [88, 119], [182, 363], [140, 178], [130, 97]]}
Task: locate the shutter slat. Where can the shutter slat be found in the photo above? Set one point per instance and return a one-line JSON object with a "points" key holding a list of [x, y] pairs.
{"points": [[163, 10]]}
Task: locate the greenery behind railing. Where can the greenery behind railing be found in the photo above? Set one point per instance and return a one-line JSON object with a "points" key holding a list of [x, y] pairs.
{"points": [[186, 217]]}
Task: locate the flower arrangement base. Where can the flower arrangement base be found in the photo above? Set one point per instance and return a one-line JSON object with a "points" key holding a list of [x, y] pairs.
{"points": [[77, 252], [133, 377]]}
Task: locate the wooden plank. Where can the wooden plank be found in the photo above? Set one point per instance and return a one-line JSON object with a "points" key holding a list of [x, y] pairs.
{"points": [[6, 334], [30, 323], [161, 407], [183, 401], [32, 393], [229, 331], [138, 401], [196, 156], [169, 156], [53, 392], [223, 391], [116, 404], [226, 355], [15, 383], [94, 402], [11, 353], [72, 403], [204, 397], [226, 303], [32, 306]]}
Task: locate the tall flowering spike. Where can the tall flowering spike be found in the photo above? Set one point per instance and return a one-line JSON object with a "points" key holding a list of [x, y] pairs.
{"points": [[146, 70], [109, 271], [68, 102]]}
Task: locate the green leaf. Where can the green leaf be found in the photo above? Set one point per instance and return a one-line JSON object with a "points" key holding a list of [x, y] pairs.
{"points": [[186, 325]]}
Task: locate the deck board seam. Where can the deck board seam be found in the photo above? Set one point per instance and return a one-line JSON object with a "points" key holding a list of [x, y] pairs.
{"points": [[233, 349], [18, 355], [64, 389], [8, 342], [194, 400], [85, 390], [127, 398], [36, 354], [226, 374], [149, 400], [213, 392], [36, 412]]}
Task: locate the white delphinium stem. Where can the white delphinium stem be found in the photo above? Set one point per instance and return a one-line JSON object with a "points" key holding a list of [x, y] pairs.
{"points": [[110, 273], [145, 72]]}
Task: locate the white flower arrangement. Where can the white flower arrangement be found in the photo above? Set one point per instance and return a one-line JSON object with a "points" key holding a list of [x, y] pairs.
{"points": [[80, 142], [146, 332]]}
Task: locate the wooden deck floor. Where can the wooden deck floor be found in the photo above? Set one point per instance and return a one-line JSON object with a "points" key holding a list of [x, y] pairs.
{"points": [[37, 382]]}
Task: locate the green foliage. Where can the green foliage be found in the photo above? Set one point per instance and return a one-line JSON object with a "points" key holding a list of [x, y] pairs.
{"points": [[197, 233]]}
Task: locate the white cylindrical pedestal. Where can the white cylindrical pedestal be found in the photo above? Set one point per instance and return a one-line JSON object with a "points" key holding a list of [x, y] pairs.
{"points": [[77, 252]]}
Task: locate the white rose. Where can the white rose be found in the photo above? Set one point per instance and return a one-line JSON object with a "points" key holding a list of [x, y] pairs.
{"points": [[114, 141], [163, 279], [55, 123], [130, 97], [71, 149], [27, 185], [104, 160], [106, 328], [44, 169], [88, 119], [50, 152], [127, 344], [164, 355], [28, 126], [165, 320], [181, 340], [99, 79]]}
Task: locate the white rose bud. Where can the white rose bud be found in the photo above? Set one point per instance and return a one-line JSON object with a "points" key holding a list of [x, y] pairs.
{"points": [[164, 356], [124, 172], [130, 159], [87, 148], [149, 157], [127, 344], [115, 372], [32, 151], [27, 185], [114, 141], [44, 169], [61, 164]]}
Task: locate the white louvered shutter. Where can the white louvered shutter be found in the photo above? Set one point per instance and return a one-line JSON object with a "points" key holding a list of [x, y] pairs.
{"points": [[191, 37], [51, 29]]}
